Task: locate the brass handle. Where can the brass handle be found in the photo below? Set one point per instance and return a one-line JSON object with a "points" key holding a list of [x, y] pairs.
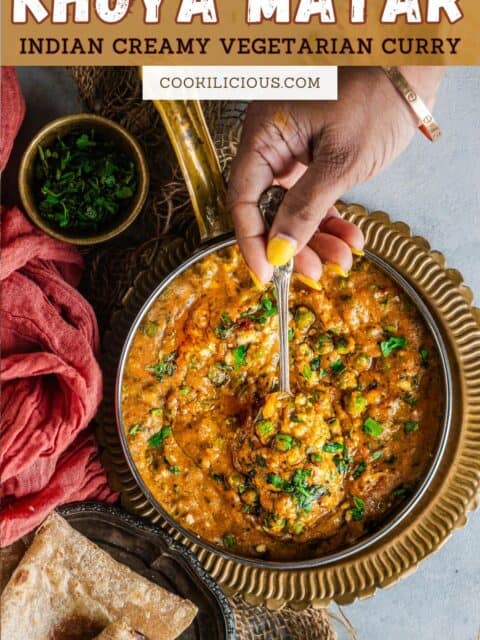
{"points": [[188, 132]]}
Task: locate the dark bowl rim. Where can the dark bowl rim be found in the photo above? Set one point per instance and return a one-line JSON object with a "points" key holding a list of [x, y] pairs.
{"points": [[71, 121], [369, 540]]}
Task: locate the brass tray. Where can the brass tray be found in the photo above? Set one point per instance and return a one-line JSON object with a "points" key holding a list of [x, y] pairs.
{"points": [[453, 491]]}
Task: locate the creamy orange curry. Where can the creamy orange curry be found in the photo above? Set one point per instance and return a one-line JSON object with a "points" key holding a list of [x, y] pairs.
{"points": [[253, 470]]}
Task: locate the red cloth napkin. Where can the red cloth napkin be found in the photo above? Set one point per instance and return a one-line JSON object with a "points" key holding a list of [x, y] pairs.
{"points": [[51, 381], [12, 110]]}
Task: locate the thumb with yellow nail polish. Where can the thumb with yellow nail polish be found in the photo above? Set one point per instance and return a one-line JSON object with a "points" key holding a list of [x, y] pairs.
{"points": [[280, 249]]}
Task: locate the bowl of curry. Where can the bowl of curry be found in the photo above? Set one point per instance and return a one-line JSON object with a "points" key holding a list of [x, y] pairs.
{"points": [[270, 479]]}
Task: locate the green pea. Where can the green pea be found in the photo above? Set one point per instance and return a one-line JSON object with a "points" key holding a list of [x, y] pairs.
{"points": [[264, 429], [362, 362], [304, 317], [283, 442], [150, 329]]}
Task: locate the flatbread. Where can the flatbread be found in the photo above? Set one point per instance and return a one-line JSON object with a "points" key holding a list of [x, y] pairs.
{"points": [[9, 558], [67, 587], [120, 630]]}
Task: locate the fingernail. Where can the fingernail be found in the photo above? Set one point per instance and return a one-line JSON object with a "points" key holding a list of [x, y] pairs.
{"points": [[310, 282], [255, 280], [336, 268], [281, 249], [357, 252]]}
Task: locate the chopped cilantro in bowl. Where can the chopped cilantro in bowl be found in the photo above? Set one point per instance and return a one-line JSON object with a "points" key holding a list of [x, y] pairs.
{"points": [[83, 179]]}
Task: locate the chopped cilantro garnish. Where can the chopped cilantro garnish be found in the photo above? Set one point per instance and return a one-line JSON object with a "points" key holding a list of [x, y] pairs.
{"points": [[337, 366], [410, 426], [394, 342], [268, 305], [240, 355], [359, 469], [410, 399], [156, 412], [332, 447], [307, 372], [229, 540], [164, 367], [372, 427], [134, 429], [175, 470], [342, 463], [377, 454], [224, 326], [358, 511], [303, 494], [158, 439], [262, 313], [315, 366], [424, 355], [83, 180], [399, 491], [260, 460], [275, 481], [300, 476]]}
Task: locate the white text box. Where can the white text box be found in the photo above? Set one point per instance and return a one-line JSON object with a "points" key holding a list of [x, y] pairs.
{"points": [[239, 83]]}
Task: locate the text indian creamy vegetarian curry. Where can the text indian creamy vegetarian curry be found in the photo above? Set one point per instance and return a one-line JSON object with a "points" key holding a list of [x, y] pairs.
{"points": [[261, 473]]}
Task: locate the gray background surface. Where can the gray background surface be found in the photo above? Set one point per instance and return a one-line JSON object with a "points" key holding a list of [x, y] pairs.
{"points": [[436, 190]]}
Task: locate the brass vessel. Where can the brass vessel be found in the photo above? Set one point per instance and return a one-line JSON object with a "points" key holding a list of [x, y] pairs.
{"points": [[449, 489], [115, 132]]}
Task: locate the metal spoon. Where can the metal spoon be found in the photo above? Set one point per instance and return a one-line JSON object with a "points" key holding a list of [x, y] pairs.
{"points": [[281, 279]]}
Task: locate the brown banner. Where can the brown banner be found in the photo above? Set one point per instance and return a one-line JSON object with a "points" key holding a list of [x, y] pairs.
{"points": [[117, 32]]}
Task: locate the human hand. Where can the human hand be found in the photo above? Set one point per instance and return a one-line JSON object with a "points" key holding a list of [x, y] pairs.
{"points": [[317, 151]]}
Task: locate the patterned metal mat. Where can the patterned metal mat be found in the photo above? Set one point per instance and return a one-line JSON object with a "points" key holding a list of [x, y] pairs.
{"points": [[163, 227]]}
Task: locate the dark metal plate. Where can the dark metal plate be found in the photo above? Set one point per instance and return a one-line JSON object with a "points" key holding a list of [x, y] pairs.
{"points": [[152, 553]]}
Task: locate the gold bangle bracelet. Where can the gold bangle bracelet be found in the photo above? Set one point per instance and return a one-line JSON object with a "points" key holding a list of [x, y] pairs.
{"points": [[427, 123]]}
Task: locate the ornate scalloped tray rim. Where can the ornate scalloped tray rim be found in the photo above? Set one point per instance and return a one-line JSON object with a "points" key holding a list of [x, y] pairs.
{"points": [[379, 566]]}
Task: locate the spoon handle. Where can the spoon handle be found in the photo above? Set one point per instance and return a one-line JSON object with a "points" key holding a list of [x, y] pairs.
{"points": [[281, 279], [188, 132]]}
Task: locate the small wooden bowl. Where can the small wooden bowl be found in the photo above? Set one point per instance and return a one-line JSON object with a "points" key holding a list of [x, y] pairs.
{"points": [[125, 142]]}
